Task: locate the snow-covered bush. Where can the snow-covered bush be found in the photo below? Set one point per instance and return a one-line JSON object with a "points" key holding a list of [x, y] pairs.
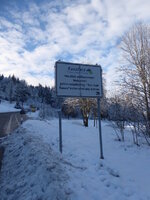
{"points": [[46, 112]]}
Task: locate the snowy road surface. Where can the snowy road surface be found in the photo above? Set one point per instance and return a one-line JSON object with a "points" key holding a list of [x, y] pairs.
{"points": [[34, 169]]}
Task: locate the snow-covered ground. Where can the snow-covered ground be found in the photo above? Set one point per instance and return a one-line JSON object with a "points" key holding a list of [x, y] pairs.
{"points": [[5, 106], [34, 169]]}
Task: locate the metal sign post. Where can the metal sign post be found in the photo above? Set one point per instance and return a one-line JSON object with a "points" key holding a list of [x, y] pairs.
{"points": [[60, 131], [100, 132]]}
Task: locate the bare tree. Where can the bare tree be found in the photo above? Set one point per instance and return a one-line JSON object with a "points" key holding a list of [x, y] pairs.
{"points": [[135, 46], [69, 109], [85, 105], [117, 115]]}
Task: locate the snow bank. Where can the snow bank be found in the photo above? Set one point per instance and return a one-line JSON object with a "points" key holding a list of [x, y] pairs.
{"points": [[31, 170]]}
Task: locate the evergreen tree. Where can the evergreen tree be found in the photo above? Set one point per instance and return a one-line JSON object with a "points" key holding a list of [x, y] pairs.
{"points": [[21, 93]]}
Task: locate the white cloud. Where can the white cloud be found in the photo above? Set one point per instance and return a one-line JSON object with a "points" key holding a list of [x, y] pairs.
{"points": [[80, 31]]}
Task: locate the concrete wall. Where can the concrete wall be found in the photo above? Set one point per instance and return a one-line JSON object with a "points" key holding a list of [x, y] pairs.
{"points": [[9, 122]]}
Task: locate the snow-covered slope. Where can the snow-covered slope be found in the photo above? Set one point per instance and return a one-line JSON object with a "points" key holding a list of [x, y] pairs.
{"points": [[34, 169], [31, 170]]}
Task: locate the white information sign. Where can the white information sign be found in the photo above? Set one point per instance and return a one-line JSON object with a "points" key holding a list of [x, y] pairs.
{"points": [[78, 80]]}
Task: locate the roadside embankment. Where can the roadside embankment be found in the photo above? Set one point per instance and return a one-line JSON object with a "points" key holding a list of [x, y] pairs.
{"points": [[9, 121]]}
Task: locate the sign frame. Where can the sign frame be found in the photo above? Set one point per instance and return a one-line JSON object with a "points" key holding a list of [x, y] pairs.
{"points": [[80, 65], [96, 96]]}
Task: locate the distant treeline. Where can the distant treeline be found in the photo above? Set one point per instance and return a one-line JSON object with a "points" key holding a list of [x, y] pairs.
{"points": [[14, 89]]}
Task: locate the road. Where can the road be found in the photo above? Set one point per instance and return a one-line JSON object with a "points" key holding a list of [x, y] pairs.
{"points": [[10, 121]]}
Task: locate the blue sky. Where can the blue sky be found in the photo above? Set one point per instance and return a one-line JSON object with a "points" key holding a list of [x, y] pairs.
{"points": [[36, 33]]}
